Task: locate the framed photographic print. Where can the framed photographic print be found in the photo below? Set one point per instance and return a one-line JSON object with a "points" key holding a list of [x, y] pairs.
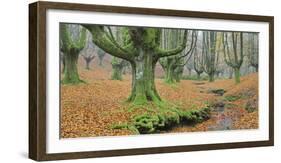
{"points": [[112, 81]]}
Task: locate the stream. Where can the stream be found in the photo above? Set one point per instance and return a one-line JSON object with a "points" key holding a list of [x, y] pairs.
{"points": [[223, 121]]}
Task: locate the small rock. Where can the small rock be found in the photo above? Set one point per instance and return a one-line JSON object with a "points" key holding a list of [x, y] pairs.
{"points": [[219, 92]]}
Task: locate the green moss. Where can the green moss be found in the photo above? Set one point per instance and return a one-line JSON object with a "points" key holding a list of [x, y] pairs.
{"points": [[148, 123], [151, 38], [140, 100], [194, 77], [71, 48], [117, 67], [126, 126], [232, 97], [251, 105], [72, 81]]}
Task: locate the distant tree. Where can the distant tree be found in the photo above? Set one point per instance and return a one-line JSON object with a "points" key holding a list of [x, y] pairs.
{"points": [[117, 68], [198, 62], [230, 73], [101, 55], [88, 60], [189, 68], [233, 51], [118, 64], [72, 41], [210, 53], [62, 58], [253, 52], [174, 65], [88, 53]]}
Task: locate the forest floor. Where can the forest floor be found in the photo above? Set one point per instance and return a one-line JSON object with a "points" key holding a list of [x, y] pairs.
{"points": [[91, 109]]}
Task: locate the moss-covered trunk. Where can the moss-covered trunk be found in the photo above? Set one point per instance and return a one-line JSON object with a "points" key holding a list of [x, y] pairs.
{"points": [[143, 86], [177, 77], [198, 75], [169, 75], [70, 71], [237, 75], [211, 77], [116, 72], [178, 73]]}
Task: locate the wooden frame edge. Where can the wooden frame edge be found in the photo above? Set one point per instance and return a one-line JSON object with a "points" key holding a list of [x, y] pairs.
{"points": [[33, 118]]}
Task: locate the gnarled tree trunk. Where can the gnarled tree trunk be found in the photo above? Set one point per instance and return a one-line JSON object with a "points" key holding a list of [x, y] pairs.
{"points": [[143, 86], [70, 70]]}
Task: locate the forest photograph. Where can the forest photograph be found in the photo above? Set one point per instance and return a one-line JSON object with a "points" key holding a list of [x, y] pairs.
{"points": [[127, 80]]}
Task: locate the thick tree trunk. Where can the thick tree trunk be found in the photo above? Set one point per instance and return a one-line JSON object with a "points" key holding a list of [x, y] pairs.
{"points": [[230, 74], [70, 71], [178, 73], [169, 75], [237, 75], [143, 86], [211, 77], [177, 77], [198, 76], [116, 72], [189, 72]]}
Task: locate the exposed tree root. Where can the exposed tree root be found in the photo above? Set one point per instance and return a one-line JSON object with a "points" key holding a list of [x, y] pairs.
{"points": [[164, 118]]}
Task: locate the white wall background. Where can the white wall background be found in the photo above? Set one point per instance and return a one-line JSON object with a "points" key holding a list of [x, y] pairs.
{"points": [[14, 80]]}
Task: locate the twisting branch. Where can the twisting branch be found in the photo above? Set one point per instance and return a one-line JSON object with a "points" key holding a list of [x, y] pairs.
{"points": [[198, 62], [211, 56], [103, 40], [166, 53], [190, 52], [192, 46], [234, 59]]}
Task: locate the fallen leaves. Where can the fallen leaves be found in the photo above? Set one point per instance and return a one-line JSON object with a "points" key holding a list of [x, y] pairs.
{"points": [[91, 109]]}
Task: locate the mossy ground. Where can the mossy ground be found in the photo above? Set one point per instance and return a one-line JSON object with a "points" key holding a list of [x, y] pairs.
{"points": [[162, 116]]}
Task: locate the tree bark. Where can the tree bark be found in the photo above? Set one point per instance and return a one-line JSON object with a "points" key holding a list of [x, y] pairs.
{"points": [[169, 75], [70, 71], [211, 77], [237, 75], [198, 76], [116, 72], [189, 72], [143, 86]]}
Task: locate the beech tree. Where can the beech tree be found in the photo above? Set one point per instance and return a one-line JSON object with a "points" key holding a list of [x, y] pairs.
{"points": [[233, 52], [253, 52], [142, 49], [101, 55], [118, 64], [88, 53], [210, 53], [88, 59], [174, 65], [117, 68], [198, 62], [62, 58], [72, 41]]}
